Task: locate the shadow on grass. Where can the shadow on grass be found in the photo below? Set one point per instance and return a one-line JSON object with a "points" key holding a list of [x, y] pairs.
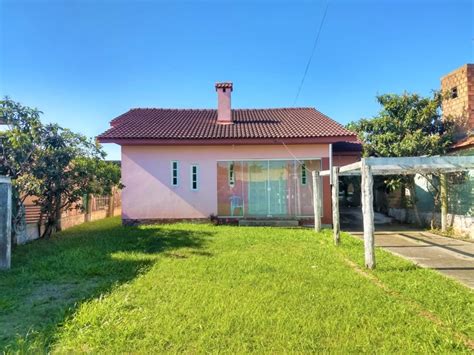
{"points": [[51, 278]]}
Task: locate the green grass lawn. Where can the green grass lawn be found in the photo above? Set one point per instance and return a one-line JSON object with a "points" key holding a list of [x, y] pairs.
{"points": [[101, 287]]}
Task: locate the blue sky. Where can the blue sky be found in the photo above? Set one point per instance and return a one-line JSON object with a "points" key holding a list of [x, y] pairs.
{"points": [[85, 62]]}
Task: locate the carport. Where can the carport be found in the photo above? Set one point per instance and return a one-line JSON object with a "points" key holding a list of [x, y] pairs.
{"points": [[367, 168]]}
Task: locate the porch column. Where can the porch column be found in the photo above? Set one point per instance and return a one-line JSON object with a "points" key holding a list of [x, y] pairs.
{"points": [[5, 222], [335, 204], [368, 214], [316, 201]]}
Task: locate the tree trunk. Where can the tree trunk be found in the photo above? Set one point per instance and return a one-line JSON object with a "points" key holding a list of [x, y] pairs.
{"points": [[48, 228], [58, 213], [53, 218]]}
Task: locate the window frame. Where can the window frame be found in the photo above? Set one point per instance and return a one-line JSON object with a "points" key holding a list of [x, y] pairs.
{"points": [[303, 175], [453, 94], [172, 173], [231, 174], [191, 177]]}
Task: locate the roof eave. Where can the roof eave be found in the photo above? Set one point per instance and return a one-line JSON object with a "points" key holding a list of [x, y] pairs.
{"points": [[228, 141]]}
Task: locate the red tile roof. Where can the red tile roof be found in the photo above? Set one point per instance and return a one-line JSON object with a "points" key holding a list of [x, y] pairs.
{"points": [[154, 126], [464, 143]]}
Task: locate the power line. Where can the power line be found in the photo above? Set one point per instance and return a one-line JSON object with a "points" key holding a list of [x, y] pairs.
{"points": [[312, 52]]}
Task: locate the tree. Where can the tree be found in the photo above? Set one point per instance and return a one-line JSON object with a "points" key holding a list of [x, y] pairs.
{"points": [[407, 125], [18, 145], [54, 164]]}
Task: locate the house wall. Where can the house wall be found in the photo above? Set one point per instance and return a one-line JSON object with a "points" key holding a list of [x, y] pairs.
{"points": [[146, 174], [341, 159]]}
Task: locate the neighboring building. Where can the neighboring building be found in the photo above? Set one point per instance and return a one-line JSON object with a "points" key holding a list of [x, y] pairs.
{"points": [[459, 105], [458, 86], [230, 163]]}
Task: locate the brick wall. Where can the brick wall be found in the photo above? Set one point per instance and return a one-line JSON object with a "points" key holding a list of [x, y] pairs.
{"points": [[460, 108]]}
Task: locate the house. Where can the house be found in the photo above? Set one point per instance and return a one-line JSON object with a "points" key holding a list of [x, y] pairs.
{"points": [[235, 164]]}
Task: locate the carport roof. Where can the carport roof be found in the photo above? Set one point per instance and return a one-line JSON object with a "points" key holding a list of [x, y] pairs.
{"points": [[408, 165]]}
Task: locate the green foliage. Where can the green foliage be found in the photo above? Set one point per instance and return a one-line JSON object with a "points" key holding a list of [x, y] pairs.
{"points": [[192, 288], [407, 125], [54, 164]]}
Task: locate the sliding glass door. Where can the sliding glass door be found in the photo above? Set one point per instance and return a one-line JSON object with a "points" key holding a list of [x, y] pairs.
{"points": [[265, 188]]}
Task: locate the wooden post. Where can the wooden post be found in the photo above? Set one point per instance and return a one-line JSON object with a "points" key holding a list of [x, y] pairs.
{"points": [[316, 201], [111, 206], [5, 222], [368, 214], [335, 205], [443, 182], [88, 215]]}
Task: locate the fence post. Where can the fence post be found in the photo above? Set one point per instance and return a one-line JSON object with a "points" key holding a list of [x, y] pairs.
{"points": [[5, 222], [368, 214]]}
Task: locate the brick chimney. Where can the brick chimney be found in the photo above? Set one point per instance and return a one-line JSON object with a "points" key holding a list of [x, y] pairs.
{"points": [[224, 113], [458, 86]]}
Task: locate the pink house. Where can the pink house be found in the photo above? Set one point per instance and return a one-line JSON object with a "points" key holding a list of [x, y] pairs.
{"points": [[235, 164]]}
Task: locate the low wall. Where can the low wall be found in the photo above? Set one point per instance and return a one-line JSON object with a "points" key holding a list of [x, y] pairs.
{"points": [[32, 231], [462, 225]]}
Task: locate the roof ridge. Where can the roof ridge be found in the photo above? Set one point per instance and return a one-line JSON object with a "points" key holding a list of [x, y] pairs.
{"points": [[214, 109]]}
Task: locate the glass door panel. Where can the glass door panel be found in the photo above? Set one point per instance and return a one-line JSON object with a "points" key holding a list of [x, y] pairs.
{"points": [[278, 192], [257, 198]]}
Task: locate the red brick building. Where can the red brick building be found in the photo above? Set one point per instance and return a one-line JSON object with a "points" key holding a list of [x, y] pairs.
{"points": [[458, 86]]}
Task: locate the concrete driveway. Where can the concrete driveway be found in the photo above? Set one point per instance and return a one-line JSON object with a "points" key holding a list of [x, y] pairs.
{"points": [[451, 257]]}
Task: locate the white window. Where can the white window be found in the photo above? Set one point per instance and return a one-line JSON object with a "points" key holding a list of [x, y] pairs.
{"points": [[194, 177], [174, 173], [231, 174], [303, 174]]}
